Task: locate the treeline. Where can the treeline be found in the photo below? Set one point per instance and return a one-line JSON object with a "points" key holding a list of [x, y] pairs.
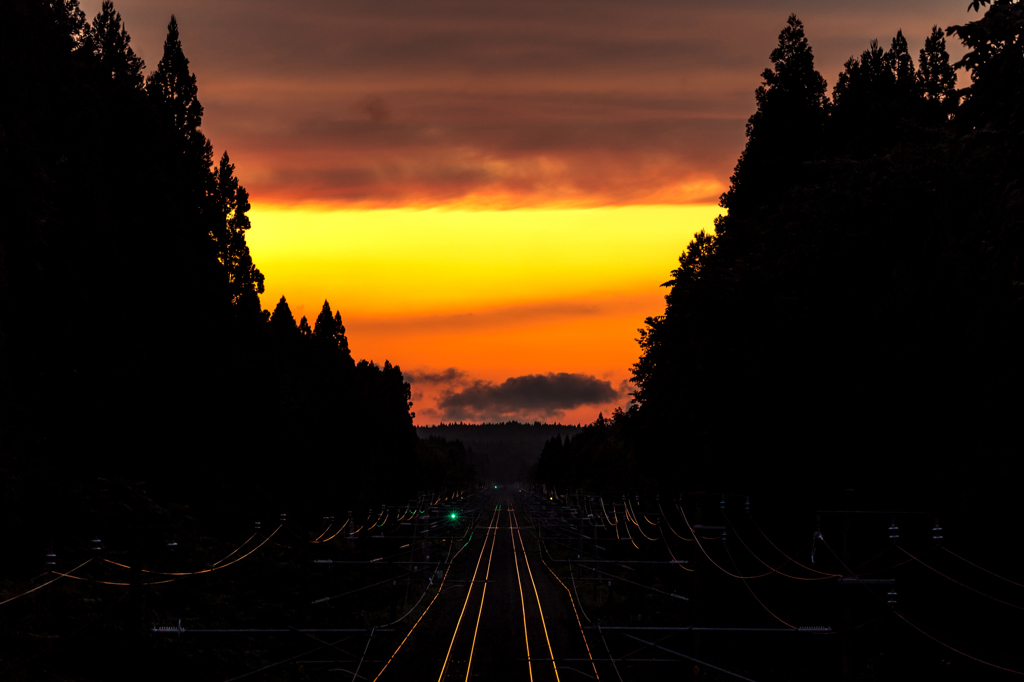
{"points": [[133, 347], [502, 452], [854, 320]]}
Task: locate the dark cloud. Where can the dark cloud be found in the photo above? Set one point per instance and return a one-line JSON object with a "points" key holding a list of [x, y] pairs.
{"points": [[535, 395], [582, 101], [401, 162]]}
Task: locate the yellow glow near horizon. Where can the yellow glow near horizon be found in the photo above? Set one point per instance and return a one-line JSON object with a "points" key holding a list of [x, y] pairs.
{"points": [[392, 262], [494, 293]]}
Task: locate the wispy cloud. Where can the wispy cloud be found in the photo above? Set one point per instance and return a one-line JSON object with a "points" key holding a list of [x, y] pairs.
{"points": [[508, 316], [447, 376]]}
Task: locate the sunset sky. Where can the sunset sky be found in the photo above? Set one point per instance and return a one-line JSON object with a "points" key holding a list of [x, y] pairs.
{"points": [[491, 192]]}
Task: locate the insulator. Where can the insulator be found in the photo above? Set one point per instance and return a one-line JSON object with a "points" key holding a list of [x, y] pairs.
{"points": [[894, 531], [721, 505], [96, 545], [257, 525], [892, 597], [284, 517], [747, 505], [51, 559], [171, 544], [937, 531]]}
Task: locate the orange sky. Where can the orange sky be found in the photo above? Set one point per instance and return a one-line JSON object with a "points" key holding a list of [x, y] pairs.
{"points": [[489, 191], [491, 294]]}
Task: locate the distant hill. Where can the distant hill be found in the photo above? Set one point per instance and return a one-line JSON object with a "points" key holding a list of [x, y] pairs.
{"points": [[503, 452]]}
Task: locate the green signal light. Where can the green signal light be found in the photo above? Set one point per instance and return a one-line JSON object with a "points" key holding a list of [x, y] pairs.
{"points": [[453, 515]]}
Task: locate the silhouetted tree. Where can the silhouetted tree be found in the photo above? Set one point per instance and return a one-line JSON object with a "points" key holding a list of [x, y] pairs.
{"points": [[68, 21], [794, 326], [244, 280], [878, 101], [995, 59], [304, 328], [325, 329], [340, 338], [785, 130], [900, 63], [172, 89], [281, 320], [936, 76], [111, 44]]}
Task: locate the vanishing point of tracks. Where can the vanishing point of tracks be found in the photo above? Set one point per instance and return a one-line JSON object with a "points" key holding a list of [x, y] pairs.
{"points": [[513, 621]]}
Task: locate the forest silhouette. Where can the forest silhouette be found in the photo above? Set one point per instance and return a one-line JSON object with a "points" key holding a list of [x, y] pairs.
{"points": [[853, 322], [848, 333], [134, 347]]}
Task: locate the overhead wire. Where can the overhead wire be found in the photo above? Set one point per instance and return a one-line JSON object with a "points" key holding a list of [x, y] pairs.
{"points": [[636, 523], [715, 537], [326, 531], [236, 550], [963, 585], [808, 568], [676, 561], [628, 534], [664, 518], [287, 660], [336, 534], [576, 613], [922, 630], [713, 562], [610, 657], [215, 567], [49, 582], [114, 583], [691, 658], [980, 568], [769, 567], [610, 522], [753, 594]]}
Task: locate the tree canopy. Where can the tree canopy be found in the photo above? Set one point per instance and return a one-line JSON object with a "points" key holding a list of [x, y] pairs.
{"points": [[828, 334]]}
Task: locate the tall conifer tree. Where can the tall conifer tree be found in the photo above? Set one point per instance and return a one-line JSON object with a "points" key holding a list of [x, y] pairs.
{"points": [[282, 320], [340, 338], [785, 130], [936, 75], [901, 64], [323, 328], [232, 200], [112, 45], [173, 90]]}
